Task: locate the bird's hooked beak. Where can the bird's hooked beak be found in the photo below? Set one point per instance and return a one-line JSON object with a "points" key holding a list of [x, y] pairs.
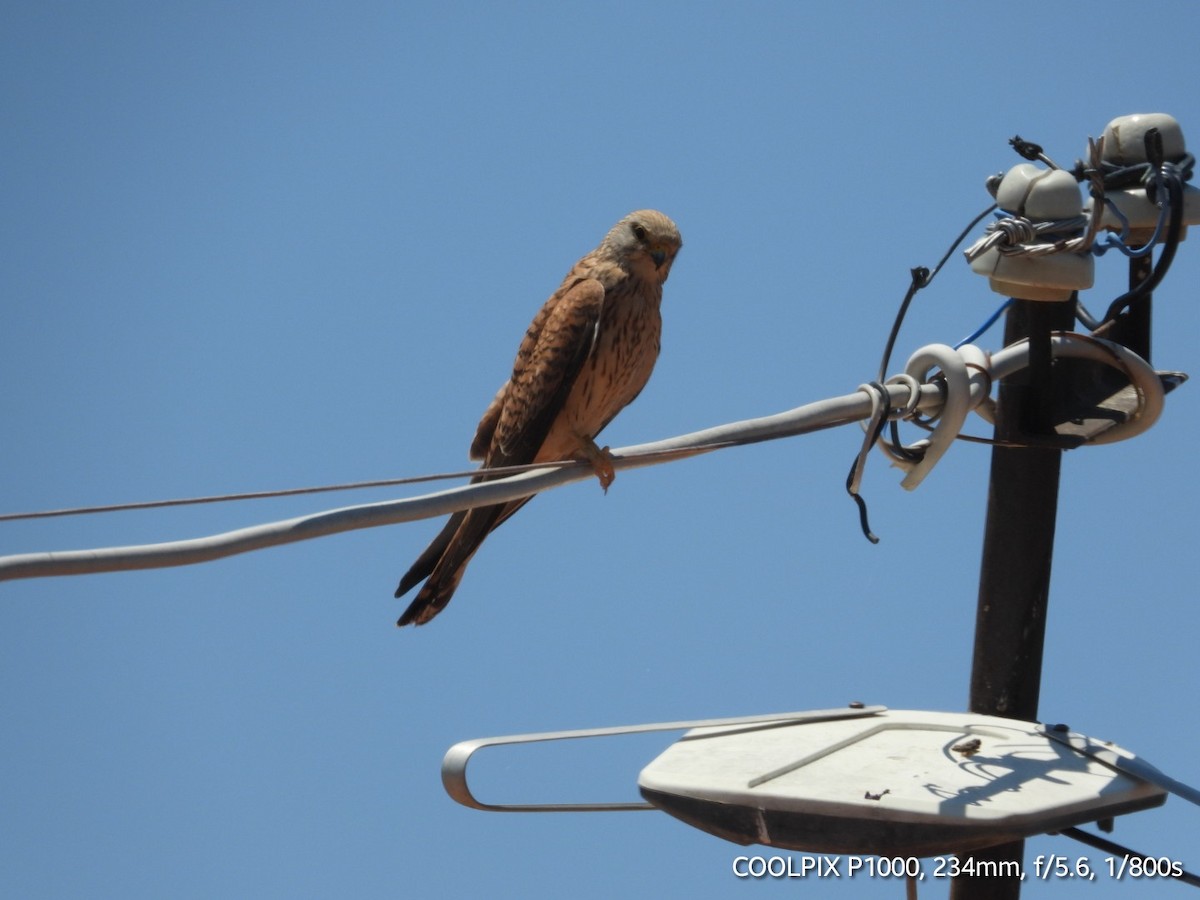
{"points": [[659, 257]]}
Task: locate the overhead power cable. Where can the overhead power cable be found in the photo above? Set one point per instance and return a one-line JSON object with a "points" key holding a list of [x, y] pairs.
{"points": [[961, 382]]}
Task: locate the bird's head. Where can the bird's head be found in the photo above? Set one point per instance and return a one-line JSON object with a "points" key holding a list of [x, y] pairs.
{"points": [[646, 242]]}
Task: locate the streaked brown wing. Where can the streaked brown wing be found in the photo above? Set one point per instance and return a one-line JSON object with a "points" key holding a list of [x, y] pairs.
{"points": [[512, 431], [548, 362]]}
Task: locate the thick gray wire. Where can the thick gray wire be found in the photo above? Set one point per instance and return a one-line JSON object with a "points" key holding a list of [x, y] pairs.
{"points": [[811, 417], [801, 420]]}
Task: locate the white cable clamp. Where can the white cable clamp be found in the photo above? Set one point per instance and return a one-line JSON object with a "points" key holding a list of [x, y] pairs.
{"points": [[955, 383], [966, 376]]}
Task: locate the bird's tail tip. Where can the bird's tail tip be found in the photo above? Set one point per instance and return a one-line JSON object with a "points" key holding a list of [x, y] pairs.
{"points": [[417, 615], [411, 579], [428, 603]]}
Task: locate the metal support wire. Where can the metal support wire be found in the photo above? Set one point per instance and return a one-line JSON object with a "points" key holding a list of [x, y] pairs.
{"points": [[1176, 870]]}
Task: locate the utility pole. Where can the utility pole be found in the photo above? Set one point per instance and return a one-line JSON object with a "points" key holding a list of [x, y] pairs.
{"points": [[1018, 544]]}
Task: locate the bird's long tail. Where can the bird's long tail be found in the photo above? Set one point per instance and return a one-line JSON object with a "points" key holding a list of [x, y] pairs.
{"points": [[423, 567], [444, 561]]}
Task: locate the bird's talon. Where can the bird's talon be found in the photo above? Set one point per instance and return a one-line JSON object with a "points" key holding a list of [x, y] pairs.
{"points": [[603, 468], [601, 459]]}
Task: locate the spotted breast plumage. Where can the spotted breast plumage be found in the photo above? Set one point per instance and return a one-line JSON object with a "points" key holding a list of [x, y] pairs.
{"points": [[587, 354]]}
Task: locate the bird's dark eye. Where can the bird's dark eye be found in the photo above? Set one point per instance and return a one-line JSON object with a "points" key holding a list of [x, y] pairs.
{"points": [[639, 231]]}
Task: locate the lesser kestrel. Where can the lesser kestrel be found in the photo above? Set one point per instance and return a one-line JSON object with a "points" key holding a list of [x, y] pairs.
{"points": [[587, 354]]}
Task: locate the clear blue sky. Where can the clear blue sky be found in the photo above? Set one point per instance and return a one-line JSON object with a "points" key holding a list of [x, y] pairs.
{"points": [[267, 245]]}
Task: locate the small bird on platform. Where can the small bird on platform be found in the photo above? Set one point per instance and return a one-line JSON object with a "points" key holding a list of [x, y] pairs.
{"points": [[587, 354]]}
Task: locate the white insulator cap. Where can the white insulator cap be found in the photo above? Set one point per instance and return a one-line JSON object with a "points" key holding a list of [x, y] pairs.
{"points": [[1125, 138], [1125, 145], [1042, 195]]}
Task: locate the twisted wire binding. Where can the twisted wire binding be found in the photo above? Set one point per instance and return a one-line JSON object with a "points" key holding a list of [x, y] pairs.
{"points": [[1015, 235]]}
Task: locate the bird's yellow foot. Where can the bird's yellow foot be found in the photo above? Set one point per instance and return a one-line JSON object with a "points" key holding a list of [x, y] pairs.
{"points": [[600, 459]]}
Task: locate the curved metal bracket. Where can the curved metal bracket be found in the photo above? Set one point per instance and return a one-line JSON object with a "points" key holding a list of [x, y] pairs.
{"points": [[454, 764]]}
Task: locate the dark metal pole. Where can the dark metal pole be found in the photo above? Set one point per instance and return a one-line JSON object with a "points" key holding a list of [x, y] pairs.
{"points": [[1018, 541], [1018, 546]]}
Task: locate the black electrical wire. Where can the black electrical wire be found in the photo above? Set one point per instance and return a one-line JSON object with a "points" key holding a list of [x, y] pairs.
{"points": [[1118, 177], [1086, 319], [921, 278], [875, 429], [1173, 183], [1157, 175]]}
